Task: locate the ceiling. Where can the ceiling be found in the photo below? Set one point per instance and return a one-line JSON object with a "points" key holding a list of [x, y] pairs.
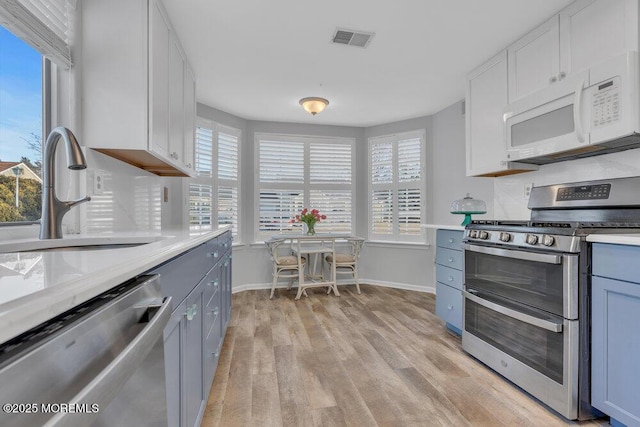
{"points": [[256, 59]]}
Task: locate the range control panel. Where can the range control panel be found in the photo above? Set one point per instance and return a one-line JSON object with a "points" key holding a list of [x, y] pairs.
{"points": [[584, 192]]}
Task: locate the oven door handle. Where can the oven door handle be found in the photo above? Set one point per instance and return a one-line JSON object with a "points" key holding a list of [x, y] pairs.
{"points": [[526, 318], [510, 253]]}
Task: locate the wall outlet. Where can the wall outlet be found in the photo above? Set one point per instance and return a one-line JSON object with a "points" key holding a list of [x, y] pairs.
{"points": [[527, 190], [98, 183]]}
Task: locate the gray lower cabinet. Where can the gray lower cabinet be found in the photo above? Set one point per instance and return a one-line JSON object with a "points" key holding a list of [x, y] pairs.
{"points": [[449, 262], [200, 283], [615, 335]]}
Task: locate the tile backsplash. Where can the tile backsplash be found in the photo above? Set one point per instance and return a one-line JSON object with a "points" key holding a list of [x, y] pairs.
{"points": [[509, 192], [126, 199]]}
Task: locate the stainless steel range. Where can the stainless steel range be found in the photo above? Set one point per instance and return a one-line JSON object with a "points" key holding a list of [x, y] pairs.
{"points": [[527, 288]]}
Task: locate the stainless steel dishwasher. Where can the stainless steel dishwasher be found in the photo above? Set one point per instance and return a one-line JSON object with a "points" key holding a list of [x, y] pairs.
{"points": [[101, 363]]}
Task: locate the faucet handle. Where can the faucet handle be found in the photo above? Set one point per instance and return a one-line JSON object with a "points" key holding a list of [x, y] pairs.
{"points": [[77, 202]]}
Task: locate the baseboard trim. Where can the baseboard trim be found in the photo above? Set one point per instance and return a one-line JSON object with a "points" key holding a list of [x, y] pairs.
{"points": [[396, 285]]}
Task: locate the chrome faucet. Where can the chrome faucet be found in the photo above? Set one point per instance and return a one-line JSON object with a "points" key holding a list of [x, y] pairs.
{"points": [[53, 209]]}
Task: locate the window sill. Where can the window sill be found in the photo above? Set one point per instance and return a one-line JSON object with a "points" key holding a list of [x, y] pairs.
{"points": [[398, 245]]}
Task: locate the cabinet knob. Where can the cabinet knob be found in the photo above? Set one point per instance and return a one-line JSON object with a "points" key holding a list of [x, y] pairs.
{"points": [[189, 165], [553, 79], [215, 283], [215, 355], [191, 312], [450, 259], [213, 254], [449, 307], [451, 240], [215, 311], [562, 75], [450, 278]]}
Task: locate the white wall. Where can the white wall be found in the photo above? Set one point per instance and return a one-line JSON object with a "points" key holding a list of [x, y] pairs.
{"points": [[510, 203]]}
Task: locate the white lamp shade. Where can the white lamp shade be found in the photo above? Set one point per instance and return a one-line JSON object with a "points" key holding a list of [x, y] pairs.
{"points": [[314, 105]]}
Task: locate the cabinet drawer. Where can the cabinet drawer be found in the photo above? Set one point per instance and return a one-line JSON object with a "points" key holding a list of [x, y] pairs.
{"points": [[449, 276], [212, 312], [180, 275], [213, 285], [449, 258], [449, 305], [212, 347], [451, 239], [616, 262]]}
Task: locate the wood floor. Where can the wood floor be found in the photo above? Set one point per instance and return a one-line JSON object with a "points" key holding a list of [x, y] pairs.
{"points": [[379, 358]]}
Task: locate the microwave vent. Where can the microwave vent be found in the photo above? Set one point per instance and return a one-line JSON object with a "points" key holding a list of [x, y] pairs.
{"points": [[352, 37]]}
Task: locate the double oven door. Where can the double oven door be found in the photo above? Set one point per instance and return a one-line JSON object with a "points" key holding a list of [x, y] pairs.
{"points": [[521, 319]]}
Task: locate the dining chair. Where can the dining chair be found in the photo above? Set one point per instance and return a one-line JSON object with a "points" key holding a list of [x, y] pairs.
{"points": [[285, 264], [347, 261]]}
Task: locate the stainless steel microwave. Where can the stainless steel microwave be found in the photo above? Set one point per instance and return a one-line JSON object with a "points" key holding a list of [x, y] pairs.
{"points": [[587, 113]]}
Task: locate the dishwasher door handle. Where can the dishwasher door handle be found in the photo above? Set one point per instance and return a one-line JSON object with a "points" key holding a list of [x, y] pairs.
{"points": [[102, 389]]}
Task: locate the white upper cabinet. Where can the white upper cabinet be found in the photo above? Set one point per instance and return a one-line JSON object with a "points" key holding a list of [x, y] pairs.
{"points": [[534, 61], [585, 33], [486, 96], [138, 90]]}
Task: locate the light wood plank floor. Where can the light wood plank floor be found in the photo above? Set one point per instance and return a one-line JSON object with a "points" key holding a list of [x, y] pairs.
{"points": [[379, 358]]}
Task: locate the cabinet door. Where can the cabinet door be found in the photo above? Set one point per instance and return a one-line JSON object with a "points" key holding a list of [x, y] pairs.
{"points": [[189, 117], [159, 81], [176, 102], [615, 371], [534, 60], [486, 98], [594, 31], [194, 351], [174, 341], [449, 305]]}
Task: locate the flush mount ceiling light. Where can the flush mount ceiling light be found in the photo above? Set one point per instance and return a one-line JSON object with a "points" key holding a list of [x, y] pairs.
{"points": [[313, 104]]}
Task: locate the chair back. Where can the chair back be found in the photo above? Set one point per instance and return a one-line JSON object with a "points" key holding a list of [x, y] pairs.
{"points": [[276, 245]]}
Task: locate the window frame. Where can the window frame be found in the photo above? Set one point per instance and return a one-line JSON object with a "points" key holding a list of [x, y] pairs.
{"points": [[395, 186], [306, 186], [215, 182]]}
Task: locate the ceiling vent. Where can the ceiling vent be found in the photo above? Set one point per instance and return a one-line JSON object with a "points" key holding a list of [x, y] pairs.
{"points": [[352, 38]]}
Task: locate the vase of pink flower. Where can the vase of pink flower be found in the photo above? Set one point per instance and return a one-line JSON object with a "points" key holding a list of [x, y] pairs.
{"points": [[310, 218]]}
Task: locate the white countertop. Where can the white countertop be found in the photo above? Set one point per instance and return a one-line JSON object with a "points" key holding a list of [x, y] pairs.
{"points": [[620, 239], [443, 227], [36, 286]]}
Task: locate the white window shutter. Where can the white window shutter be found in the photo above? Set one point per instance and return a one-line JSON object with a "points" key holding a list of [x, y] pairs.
{"points": [[45, 24]]}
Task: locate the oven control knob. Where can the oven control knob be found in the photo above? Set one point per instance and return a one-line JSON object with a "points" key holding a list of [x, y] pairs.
{"points": [[531, 239], [548, 240], [505, 237], [473, 233], [483, 235]]}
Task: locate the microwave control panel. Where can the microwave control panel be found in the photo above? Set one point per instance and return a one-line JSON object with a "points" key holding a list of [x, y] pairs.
{"points": [[605, 106]]}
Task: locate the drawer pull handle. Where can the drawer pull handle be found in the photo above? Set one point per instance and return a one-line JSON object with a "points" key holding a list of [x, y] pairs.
{"points": [[215, 311], [215, 355], [449, 307], [212, 254], [450, 278], [215, 283], [451, 240], [450, 259]]}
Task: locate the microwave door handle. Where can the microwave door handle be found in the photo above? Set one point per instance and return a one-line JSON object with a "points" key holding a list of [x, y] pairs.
{"points": [[526, 318], [105, 385], [577, 108]]}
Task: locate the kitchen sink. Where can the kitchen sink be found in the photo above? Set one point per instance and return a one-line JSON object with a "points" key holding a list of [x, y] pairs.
{"points": [[85, 243]]}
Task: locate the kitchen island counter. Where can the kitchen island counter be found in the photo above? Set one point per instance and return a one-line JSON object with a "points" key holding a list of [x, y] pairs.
{"points": [[36, 286]]}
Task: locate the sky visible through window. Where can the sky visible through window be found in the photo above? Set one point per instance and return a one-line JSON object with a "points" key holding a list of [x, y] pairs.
{"points": [[20, 98]]}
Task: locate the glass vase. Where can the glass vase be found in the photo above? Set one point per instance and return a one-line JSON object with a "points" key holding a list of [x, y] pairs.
{"points": [[311, 231]]}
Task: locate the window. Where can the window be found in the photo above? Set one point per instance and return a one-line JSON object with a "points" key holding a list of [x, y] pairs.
{"points": [[214, 192], [396, 186], [32, 34], [299, 171]]}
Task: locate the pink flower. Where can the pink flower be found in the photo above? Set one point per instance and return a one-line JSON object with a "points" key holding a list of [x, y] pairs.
{"points": [[323, 217]]}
